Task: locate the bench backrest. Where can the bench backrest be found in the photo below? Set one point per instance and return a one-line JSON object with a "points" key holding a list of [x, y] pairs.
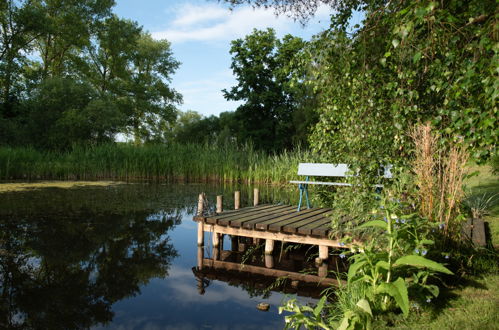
{"points": [[336, 170], [318, 169]]}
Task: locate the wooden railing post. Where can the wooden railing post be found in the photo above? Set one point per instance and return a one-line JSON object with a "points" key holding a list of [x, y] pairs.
{"points": [[237, 200], [200, 222], [256, 196], [219, 204]]}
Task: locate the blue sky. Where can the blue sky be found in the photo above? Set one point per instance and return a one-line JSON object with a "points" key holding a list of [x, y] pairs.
{"points": [[200, 32]]}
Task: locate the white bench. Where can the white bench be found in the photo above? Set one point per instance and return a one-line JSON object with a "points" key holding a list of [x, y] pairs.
{"points": [[328, 170]]}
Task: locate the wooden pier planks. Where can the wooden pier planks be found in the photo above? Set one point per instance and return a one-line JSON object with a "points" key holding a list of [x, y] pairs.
{"points": [[274, 218]]}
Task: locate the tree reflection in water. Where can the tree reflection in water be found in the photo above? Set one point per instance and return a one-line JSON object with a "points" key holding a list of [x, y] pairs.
{"points": [[62, 267]]}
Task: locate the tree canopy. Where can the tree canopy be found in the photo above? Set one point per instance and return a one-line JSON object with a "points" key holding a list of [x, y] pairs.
{"points": [[73, 72]]}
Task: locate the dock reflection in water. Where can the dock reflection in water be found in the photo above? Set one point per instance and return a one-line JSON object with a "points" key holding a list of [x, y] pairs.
{"points": [[289, 272]]}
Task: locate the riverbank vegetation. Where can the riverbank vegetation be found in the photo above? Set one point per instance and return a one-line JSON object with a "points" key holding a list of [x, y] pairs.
{"points": [[425, 67], [152, 162], [414, 85]]}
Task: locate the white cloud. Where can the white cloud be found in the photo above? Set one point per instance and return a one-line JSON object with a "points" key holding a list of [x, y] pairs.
{"points": [[211, 22]]}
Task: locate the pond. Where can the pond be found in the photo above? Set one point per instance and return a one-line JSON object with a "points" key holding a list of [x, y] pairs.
{"points": [[124, 256]]}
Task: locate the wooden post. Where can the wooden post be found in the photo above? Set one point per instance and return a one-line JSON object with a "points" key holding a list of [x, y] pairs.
{"points": [[269, 246], [219, 203], [200, 233], [200, 257], [237, 200], [216, 253], [256, 196], [323, 253], [200, 204], [322, 272], [216, 239], [269, 261]]}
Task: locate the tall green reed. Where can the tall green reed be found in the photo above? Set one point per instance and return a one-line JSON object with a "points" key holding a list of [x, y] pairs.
{"points": [[155, 162]]}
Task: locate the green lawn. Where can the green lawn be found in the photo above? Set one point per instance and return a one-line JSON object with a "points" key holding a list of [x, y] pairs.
{"points": [[474, 303]]}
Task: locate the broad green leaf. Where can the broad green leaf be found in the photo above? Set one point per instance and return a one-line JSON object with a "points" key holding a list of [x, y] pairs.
{"points": [[320, 306], [434, 290], [364, 305], [419, 261], [398, 291], [374, 223], [395, 43], [403, 301], [382, 264], [352, 270]]}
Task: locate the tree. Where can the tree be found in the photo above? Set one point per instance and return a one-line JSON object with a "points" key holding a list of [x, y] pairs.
{"points": [[262, 66], [104, 62], [67, 29], [151, 102], [20, 24], [65, 112], [409, 62]]}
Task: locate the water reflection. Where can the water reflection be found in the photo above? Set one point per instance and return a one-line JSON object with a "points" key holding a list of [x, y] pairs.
{"points": [[64, 270], [118, 257]]}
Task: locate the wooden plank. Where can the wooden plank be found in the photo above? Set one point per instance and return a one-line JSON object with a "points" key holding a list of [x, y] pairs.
{"points": [[264, 224], [215, 218], [478, 235], [203, 218], [231, 266], [277, 226], [467, 228], [344, 184], [293, 227], [293, 238], [307, 229], [289, 211], [321, 169], [324, 228], [238, 221]]}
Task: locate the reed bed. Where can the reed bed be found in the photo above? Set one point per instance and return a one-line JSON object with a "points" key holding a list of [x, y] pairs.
{"points": [[161, 163]]}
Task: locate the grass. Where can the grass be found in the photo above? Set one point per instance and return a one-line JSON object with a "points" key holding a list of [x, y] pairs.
{"points": [[165, 162], [472, 304]]}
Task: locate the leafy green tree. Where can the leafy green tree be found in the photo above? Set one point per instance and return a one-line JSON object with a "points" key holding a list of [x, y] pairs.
{"points": [[150, 101], [104, 62], [20, 24], [65, 112], [68, 27], [262, 66]]}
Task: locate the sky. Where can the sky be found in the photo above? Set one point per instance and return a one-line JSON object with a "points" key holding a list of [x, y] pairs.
{"points": [[200, 32]]}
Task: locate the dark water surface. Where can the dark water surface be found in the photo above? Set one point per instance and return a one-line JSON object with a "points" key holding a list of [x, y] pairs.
{"points": [[125, 257]]}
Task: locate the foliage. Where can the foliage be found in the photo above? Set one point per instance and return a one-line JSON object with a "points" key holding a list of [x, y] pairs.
{"points": [[263, 66], [158, 162], [118, 74], [410, 62], [391, 267]]}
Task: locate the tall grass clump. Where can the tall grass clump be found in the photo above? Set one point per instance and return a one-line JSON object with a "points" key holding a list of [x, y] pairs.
{"points": [[155, 162], [439, 174]]}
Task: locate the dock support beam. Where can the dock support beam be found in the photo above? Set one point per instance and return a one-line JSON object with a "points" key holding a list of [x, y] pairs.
{"points": [[216, 239], [200, 233], [323, 253], [269, 261], [200, 223], [269, 246]]}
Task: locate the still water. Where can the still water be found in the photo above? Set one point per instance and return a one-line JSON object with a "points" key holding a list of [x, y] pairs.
{"points": [[125, 257]]}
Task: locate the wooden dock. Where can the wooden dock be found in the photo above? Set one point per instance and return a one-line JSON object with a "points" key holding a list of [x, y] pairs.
{"points": [[270, 223]]}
